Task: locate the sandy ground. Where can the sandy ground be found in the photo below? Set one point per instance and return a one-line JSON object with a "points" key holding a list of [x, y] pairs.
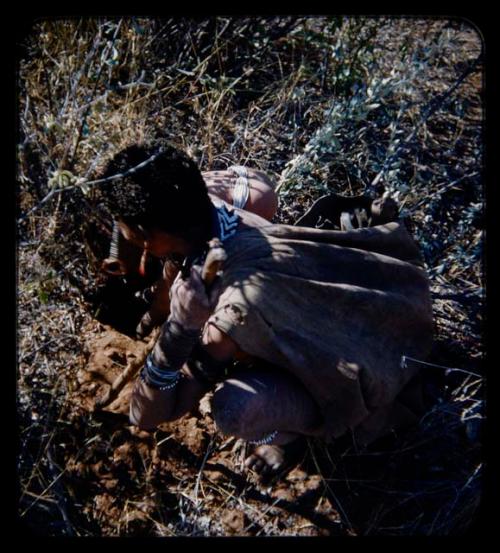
{"points": [[176, 452]]}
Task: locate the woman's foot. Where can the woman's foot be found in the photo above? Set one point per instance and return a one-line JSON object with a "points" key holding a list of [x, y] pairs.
{"points": [[270, 460]]}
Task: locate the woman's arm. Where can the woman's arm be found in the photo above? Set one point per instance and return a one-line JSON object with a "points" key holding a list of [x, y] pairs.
{"points": [[262, 199], [149, 407], [190, 309], [159, 309]]}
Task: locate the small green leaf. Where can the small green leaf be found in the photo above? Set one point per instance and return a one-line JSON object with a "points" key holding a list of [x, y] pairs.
{"points": [[43, 296]]}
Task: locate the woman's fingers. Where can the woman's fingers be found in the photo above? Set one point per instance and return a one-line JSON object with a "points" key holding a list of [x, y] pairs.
{"points": [[215, 292], [196, 280], [190, 304], [145, 326]]}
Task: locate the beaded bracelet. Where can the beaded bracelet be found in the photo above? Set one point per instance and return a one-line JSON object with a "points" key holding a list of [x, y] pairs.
{"points": [[266, 439], [241, 190], [157, 377], [161, 373], [147, 380], [176, 344]]}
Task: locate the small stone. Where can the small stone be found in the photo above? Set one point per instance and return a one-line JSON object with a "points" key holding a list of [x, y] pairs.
{"points": [[234, 521], [83, 376], [205, 405]]}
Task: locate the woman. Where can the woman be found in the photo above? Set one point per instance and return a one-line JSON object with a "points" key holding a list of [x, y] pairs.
{"points": [[303, 334], [242, 187]]}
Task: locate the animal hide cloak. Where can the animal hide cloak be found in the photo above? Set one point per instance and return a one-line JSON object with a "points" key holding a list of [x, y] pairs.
{"points": [[338, 310]]}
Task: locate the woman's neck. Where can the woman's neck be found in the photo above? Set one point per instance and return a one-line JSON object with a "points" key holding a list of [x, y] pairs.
{"points": [[196, 238]]}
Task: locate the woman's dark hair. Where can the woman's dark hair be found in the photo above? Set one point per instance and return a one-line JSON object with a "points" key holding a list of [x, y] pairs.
{"points": [[168, 192]]}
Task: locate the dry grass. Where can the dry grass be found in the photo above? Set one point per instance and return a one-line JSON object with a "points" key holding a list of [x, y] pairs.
{"points": [[343, 105]]}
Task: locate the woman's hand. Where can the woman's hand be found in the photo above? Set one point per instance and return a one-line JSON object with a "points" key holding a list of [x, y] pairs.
{"points": [[190, 305]]}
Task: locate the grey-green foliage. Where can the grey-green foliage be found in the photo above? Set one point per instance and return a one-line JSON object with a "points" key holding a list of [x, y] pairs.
{"points": [[379, 103], [339, 136], [388, 129]]}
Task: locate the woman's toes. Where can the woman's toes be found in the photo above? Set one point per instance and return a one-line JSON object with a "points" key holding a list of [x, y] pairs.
{"points": [[259, 466], [273, 455], [268, 460], [265, 460], [250, 460], [266, 470], [254, 462]]}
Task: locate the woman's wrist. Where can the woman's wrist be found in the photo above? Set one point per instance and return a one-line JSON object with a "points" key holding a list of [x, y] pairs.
{"points": [[191, 324], [160, 377], [172, 350], [186, 330]]}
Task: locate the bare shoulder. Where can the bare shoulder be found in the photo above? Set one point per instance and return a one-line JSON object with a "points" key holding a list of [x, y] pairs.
{"points": [[252, 219], [260, 176], [226, 176], [262, 199]]}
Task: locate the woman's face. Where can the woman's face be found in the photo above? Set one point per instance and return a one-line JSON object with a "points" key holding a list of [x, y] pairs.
{"points": [[156, 242]]}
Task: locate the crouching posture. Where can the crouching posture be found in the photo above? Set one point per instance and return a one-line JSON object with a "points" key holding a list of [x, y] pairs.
{"points": [[242, 187], [302, 333]]}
